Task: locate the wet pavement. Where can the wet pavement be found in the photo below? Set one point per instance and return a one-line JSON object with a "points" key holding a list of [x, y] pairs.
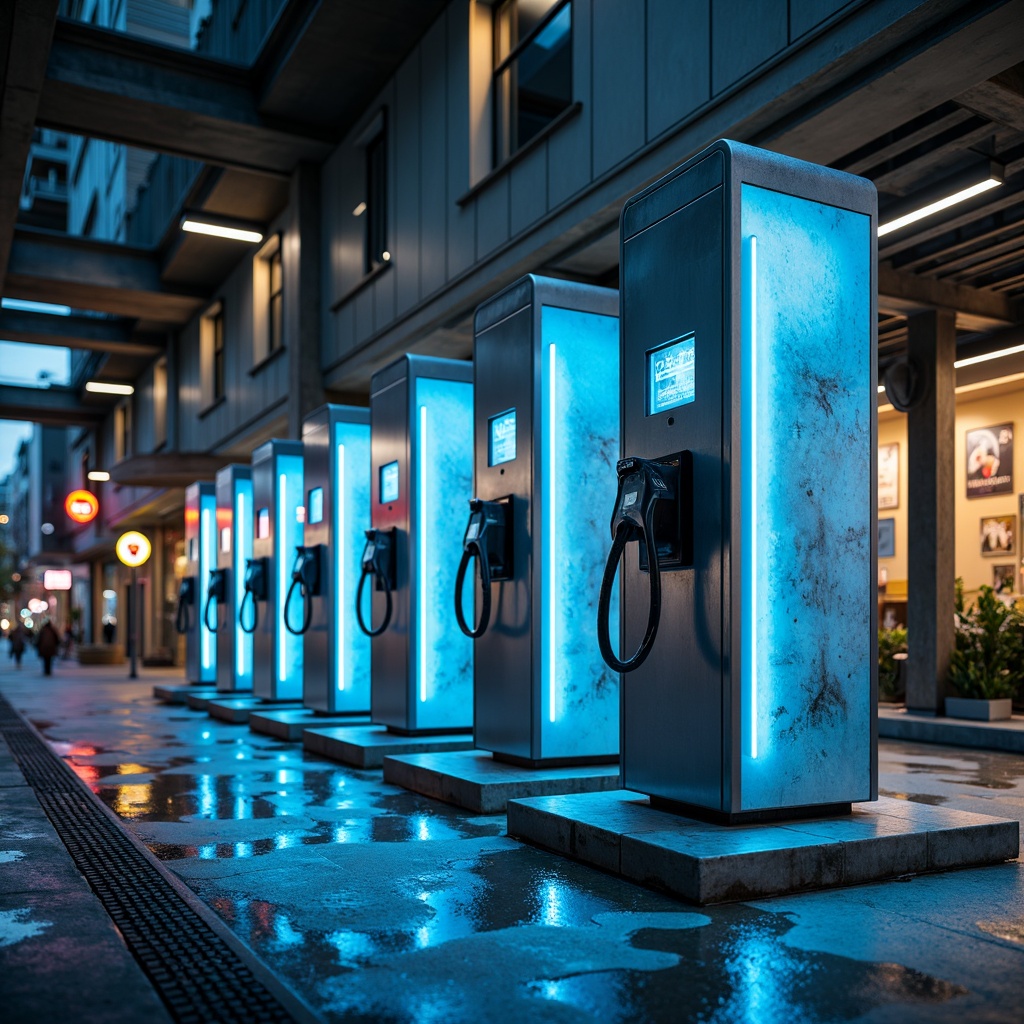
{"points": [[377, 904]]}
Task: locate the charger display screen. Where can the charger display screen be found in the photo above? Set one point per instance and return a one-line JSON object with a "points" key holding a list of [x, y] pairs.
{"points": [[263, 524], [671, 375], [502, 438], [225, 538], [389, 483], [316, 505]]}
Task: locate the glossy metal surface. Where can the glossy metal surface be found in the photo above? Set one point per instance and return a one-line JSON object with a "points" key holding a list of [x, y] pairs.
{"points": [[234, 545]]}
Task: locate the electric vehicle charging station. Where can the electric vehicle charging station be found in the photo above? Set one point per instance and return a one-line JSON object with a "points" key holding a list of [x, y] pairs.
{"points": [[225, 592], [748, 429], [278, 522], [546, 425], [421, 476], [201, 555], [325, 573]]}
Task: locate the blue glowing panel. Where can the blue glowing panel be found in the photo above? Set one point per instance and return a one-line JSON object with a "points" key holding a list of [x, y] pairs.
{"points": [[579, 448], [351, 647], [315, 504], [389, 483], [442, 436], [289, 494], [806, 502], [207, 544], [501, 438], [243, 550], [671, 375]]}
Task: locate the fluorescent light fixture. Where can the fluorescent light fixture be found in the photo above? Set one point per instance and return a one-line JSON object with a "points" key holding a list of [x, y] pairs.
{"points": [[958, 189], [998, 354], [100, 387], [100, 475], [359, 210], [28, 306], [205, 227]]}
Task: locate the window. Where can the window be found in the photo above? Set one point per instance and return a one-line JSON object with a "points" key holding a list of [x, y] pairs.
{"points": [[211, 354], [533, 70], [376, 202], [218, 354], [160, 404], [274, 313], [123, 430]]}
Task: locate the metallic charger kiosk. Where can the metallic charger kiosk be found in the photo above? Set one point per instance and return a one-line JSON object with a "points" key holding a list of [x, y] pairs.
{"points": [[320, 602], [748, 429], [546, 398], [421, 415], [201, 555], [278, 521], [226, 588]]}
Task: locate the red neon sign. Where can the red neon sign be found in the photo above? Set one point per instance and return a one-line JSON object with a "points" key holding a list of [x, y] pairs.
{"points": [[82, 506]]}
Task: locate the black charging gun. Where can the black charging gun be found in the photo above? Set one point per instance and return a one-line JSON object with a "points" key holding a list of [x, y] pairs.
{"points": [[305, 579], [216, 591], [379, 562], [254, 587], [186, 598], [488, 539]]}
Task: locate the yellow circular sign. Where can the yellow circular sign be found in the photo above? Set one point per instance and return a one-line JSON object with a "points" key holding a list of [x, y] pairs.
{"points": [[133, 548]]}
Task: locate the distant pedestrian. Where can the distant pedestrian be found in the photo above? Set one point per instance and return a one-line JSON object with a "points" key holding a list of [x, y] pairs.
{"points": [[48, 644], [17, 640], [108, 631], [68, 640]]}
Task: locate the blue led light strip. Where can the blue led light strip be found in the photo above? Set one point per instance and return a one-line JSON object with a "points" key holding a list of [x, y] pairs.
{"points": [[750, 496], [550, 524], [339, 567], [421, 553], [238, 539], [282, 577]]}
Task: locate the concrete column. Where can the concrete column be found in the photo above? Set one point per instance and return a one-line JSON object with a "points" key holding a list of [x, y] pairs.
{"points": [[302, 313], [931, 345]]}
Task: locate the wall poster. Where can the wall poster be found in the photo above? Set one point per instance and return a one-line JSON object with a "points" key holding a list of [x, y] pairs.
{"points": [[998, 536], [889, 475], [886, 538], [990, 461]]}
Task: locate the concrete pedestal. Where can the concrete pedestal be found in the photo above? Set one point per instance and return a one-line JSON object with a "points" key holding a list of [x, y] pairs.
{"points": [[703, 863], [200, 700], [289, 723], [366, 746], [236, 710], [900, 724], [473, 779], [178, 693]]}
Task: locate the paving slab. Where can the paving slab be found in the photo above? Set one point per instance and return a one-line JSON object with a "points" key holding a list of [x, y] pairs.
{"points": [[288, 723], [200, 700], [473, 779], [897, 723], [366, 746], [178, 693], [236, 710], [707, 863]]}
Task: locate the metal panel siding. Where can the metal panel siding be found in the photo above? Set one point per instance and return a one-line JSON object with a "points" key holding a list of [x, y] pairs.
{"points": [[461, 219], [744, 35], [806, 14], [406, 172], [492, 217], [678, 61], [618, 82], [433, 159], [528, 189], [569, 148]]}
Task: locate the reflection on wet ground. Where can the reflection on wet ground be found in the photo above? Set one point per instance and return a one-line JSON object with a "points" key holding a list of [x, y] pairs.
{"points": [[380, 905]]}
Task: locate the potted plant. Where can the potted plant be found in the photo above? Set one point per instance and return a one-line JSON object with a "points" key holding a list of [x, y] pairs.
{"points": [[892, 653], [987, 666]]}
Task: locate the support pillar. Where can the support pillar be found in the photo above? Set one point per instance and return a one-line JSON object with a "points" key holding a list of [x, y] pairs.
{"points": [[931, 346], [301, 264]]}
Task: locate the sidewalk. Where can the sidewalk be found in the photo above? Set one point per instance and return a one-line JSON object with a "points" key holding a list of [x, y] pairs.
{"points": [[377, 904]]}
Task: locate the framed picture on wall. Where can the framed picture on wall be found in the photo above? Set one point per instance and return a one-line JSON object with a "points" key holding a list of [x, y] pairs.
{"points": [[889, 475], [990, 461], [1003, 577], [998, 536], [886, 538]]}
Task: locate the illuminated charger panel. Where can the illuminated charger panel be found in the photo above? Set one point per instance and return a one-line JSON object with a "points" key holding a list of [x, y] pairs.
{"points": [[201, 549], [235, 532]]}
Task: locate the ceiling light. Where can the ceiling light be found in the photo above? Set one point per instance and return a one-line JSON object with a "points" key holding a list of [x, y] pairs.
{"points": [[99, 474], [971, 360], [956, 189], [100, 387], [28, 306], [881, 388], [202, 227], [385, 256], [359, 210], [983, 385]]}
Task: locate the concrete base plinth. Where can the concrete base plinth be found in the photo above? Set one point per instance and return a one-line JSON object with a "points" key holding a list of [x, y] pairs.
{"points": [[289, 723], [178, 693], [473, 779], [366, 746], [236, 710], [703, 863], [899, 724]]}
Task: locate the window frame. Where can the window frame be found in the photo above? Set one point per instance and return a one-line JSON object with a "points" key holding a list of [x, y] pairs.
{"points": [[375, 175], [275, 302]]}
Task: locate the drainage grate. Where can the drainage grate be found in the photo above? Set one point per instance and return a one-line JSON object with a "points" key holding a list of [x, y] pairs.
{"points": [[196, 973]]}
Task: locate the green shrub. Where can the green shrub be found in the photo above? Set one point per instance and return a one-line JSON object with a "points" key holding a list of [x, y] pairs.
{"points": [[988, 662], [890, 643]]}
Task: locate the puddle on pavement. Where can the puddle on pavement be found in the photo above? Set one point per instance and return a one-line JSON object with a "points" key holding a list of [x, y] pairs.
{"points": [[934, 799]]}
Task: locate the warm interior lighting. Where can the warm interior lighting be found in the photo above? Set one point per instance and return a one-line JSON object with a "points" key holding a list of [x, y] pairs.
{"points": [[385, 256], [28, 306], [359, 210], [972, 360], [202, 227], [881, 388], [100, 387], [99, 474], [982, 385], [940, 204]]}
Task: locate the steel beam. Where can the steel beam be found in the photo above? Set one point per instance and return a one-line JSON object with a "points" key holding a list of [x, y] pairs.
{"points": [[95, 334], [905, 294], [50, 406]]}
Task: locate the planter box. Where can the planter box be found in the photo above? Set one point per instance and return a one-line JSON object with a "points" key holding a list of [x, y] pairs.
{"points": [[100, 654], [979, 710]]}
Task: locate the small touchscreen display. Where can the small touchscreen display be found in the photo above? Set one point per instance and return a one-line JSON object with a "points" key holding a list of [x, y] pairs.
{"points": [[389, 483], [316, 505], [502, 438], [671, 375]]}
